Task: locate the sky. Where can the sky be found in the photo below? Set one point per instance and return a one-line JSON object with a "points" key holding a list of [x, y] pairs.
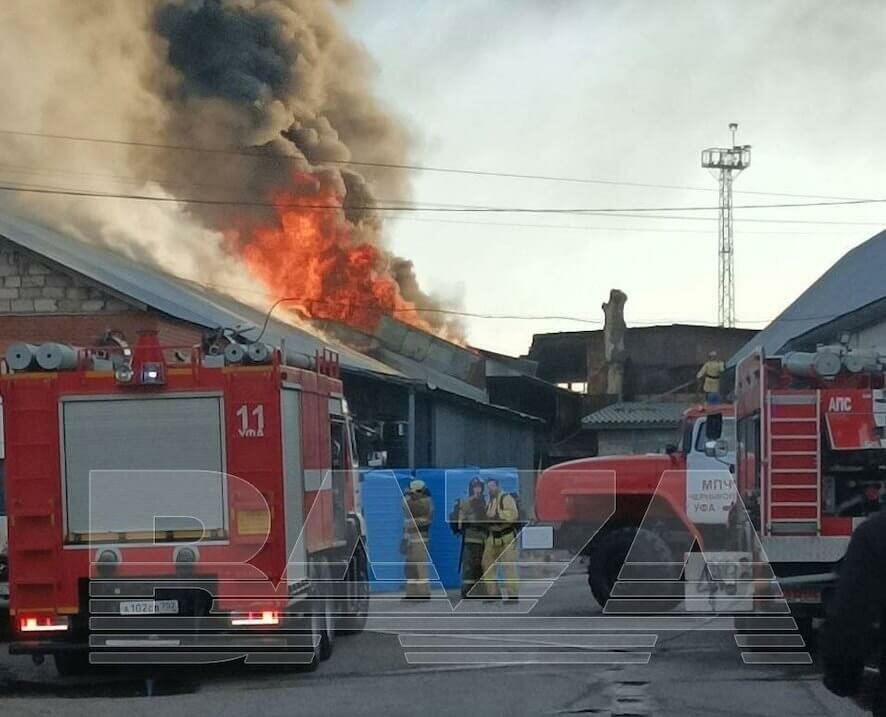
{"points": [[628, 92]]}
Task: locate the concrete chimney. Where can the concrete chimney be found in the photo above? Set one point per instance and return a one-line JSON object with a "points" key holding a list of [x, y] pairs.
{"points": [[614, 342]]}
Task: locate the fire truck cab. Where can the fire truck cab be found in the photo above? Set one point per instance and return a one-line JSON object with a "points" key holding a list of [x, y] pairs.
{"points": [[164, 497], [600, 505]]}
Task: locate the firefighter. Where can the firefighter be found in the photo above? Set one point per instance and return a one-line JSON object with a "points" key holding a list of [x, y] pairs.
{"points": [[709, 376], [470, 522], [859, 605], [502, 517], [418, 510]]}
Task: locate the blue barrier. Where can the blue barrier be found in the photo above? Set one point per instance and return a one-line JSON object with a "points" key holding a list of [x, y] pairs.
{"points": [[382, 498], [381, 493]]}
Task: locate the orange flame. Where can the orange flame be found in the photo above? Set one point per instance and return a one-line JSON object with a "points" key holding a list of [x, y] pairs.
{"points": [[310, 254]]}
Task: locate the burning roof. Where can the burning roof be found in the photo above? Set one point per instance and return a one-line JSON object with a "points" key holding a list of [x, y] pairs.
{"points": [[178, 298], [394, 350], [253, 124]]}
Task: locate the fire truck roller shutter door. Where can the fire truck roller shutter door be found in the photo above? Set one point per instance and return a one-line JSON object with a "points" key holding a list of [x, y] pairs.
{"points": [[112, 452]]}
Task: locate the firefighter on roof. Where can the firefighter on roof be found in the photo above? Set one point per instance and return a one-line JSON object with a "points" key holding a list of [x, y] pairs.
{"points": [[502, 515], [709, 375], [418, 511], [470, 522]]}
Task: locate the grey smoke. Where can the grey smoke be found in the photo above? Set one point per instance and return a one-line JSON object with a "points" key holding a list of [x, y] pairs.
{"points": [[225, 51], [274, 78]]}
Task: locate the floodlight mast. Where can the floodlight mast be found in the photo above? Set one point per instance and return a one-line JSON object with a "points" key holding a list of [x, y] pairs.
{"points": [[729, 162]]}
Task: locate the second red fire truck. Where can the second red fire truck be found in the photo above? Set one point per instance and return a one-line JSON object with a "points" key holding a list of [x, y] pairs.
{"points": [[811, 461], [800, 459]]}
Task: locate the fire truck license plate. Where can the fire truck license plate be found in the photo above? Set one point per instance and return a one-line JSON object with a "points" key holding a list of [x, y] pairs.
{"points": [[149, 607]]}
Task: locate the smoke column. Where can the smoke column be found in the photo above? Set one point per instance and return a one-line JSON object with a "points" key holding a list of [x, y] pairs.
{"points": [[273, 78]]}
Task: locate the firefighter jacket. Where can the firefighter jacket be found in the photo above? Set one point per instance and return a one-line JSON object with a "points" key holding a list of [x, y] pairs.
{"points": [[711, 372], [472, 519], [418, 511], [501, 514]]}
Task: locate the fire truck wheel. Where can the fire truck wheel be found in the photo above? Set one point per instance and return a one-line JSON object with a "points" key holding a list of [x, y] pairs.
{"points": [[324, 607], [316, 626], [327, 637], [610, 552], [356, 605], [68, 664]]}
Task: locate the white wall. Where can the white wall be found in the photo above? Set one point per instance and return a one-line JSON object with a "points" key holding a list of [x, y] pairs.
{"points": [[870, 337]]}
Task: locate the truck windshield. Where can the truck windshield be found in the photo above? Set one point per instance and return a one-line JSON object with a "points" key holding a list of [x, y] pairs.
{"points": [[728, 435]]}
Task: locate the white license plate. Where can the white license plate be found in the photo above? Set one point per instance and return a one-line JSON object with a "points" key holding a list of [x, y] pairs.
{"points": [[149, 607]]}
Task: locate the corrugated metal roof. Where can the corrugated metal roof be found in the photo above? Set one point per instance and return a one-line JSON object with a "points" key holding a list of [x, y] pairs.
{"points": [[431, 377], [854, 282], [199, 305], [173, 296], [636, 413]]}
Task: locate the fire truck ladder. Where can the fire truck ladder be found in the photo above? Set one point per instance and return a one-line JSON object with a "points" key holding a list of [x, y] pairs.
{"points": [[34, 515], [793, 505]]}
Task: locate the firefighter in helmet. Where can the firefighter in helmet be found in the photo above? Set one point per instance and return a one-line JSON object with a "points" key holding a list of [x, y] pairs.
{"points": [[418, 511], [470, 522], [709, 376], [502, 521]]}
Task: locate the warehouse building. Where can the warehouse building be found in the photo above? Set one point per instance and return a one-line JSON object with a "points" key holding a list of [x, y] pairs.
{"points": [[633, 382], [846, 303], [657, 359], [632, 428], [421, 402]]}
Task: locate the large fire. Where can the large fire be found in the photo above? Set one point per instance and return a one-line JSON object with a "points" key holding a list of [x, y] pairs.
{"points": [[310, 257]]}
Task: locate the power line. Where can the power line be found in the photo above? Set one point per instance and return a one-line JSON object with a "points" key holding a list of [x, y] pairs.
{"points": [[421, 310], [39, 189], [590, 227], [475, 314], [418, 208], [268, 154], [124, 179], [581, 227]]}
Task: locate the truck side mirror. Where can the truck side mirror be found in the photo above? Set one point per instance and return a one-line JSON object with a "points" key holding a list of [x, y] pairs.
{"points": [[377, 459], [716, 449], [713, 426]]}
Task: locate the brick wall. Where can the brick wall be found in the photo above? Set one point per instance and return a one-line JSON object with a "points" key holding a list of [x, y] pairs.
{"points": [[29, 285], [86, 329], [42, 302]]}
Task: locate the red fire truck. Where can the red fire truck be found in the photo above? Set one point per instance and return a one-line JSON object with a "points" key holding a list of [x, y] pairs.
{"points": [[599, 506], [197, 503], [806, 443], [811, 461]]}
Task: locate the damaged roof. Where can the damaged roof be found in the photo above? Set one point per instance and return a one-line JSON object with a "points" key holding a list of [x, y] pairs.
{"points": [[173, 296], [197, 304]]}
